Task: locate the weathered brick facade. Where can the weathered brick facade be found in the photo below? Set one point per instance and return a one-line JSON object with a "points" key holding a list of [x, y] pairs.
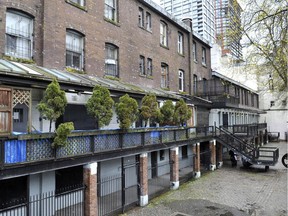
{"points": [[53, 18], [90, 181]]}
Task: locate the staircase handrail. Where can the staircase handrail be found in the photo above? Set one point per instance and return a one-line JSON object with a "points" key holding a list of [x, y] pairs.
{"points": [[242, 145], [223, 129]]}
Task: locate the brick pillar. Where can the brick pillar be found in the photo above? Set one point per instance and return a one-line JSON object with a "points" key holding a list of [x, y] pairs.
{"points": [[143, 179], [219, 151], [196, 151], [90, 197], [212, 146], [174, 173]]}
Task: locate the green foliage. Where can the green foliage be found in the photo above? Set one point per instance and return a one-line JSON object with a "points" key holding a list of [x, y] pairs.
{"points": [[167, 113], [265, 34], [20, 60], [62, 133], [127, 111], [53, 104], [149, 109], [182, 113], [100, 106]]}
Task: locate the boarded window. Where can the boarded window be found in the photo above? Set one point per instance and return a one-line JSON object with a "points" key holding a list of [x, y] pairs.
{"points": [[5, 110]]}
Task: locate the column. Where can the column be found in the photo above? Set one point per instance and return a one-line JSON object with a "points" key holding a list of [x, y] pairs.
{"points": [[90, 197], [219, 157], [174, 173], [143, 163], [212, 146], [196, 150]]}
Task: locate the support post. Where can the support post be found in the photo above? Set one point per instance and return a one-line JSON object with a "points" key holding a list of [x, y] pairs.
{"points": [[212, 147], [219, 157], [196, 150], [90, 181], [143, 163], [174, 173]]}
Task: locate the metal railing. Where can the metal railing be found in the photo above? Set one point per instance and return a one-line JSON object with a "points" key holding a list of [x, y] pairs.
{"points": [[29, 148], [70, 202]]}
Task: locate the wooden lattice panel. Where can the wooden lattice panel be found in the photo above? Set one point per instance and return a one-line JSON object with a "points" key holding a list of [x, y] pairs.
{"points": [[21, 96]]}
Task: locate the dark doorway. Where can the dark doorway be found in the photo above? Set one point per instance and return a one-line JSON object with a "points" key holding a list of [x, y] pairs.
{"points": [[154, 164], [225, 120]]}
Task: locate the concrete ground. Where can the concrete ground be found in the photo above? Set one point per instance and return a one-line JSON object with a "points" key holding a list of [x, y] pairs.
{"points": [[227, 192]]}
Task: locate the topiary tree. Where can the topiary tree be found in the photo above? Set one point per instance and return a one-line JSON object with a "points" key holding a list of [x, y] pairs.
{"points": [[149, 109], [182, 113], [100, 106], [127, 111], [167, 113], [62, 133], [53, 104]]}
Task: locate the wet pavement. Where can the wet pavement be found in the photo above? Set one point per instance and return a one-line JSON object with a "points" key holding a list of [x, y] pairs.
{"points": [[227, 192]]}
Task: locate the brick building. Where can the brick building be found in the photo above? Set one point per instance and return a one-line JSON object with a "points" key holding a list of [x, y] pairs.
{"points": [[134, 47]]}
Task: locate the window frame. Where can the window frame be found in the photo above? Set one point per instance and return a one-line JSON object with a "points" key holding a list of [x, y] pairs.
{"points": [[149, 67], [194, 51], [195, 84], [142, 69], [148, 21], [181, 77], [204, 57], [73, 52], [111, 11], [164, 75], [141, 17], [115, 49], [81, 3], [180, 43], [163, 34], [19, 36]]}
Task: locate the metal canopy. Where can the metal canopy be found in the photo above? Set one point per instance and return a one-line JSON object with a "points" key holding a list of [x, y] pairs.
{"points": [[14, 73]]}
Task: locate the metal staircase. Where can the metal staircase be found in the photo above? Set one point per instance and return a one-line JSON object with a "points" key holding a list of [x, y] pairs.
{"points": [[267, 156]]}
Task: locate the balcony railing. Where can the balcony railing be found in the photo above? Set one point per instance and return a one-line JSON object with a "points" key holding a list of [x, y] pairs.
{"points": [[29, 148]]}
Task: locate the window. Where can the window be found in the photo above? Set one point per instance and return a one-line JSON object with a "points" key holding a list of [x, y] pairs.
{"points": [[284, 103], [141, 17], [111, 10], [142, 65], [111, 60], [149, 67], [79, 2], [204, 85], [74, 50], [69, 178], [195, 84], [203, 56], [13, 192], [184, 152], [148, 21], [272, 103], [194, 51], [181, 80], [19, 35], [163, 34], [162, 155], [164, 76], [18, 115], [180, 43]]}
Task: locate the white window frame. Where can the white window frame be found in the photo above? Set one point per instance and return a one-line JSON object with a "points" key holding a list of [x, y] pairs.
{"points": [[111, 59], [194, 51], [149, 67], [142, 65], [180, 43], [203, 56], [148, 21], [19, 35], [141, 17], [75, 48], [181, 80], [163, 34], [164, 75], [111, 10], [79, 2]]}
